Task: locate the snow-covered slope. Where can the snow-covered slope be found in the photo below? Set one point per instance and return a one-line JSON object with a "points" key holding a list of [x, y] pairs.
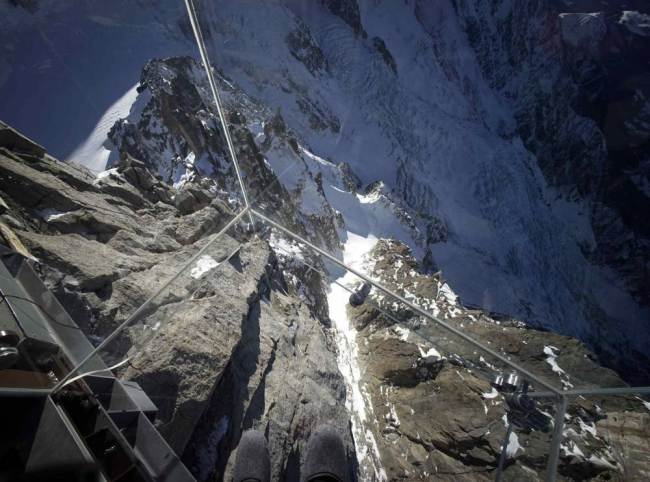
{"points": [[93, 152]]}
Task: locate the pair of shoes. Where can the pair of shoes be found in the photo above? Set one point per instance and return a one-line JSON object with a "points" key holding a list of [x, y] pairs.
{"points": [[324, 461]]}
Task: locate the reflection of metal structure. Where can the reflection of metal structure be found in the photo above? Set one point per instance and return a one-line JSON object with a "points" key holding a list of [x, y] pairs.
{"points": [[102, 427], [359, 297], [506, 383], [521, 412], [8, 351]]}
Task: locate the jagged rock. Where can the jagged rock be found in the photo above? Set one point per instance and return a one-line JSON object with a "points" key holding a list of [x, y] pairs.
{"points": [[138, 176], [435, 413], [33, 189], [185, 361], [191, 199], [224, 347], [12, 222], [92, 263], [13, 140]]}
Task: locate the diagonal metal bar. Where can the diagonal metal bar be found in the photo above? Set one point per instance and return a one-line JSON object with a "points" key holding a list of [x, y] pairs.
{"points": [[556, 441], [417, 309], [198, 35], [144, 305], [605, 391]]}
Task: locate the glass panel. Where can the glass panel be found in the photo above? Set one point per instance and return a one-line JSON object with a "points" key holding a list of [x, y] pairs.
{"points": [[481, 203]]}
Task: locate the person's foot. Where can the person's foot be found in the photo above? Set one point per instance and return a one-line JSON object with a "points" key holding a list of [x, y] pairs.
{"points": [[253, 463], [325, 459]]}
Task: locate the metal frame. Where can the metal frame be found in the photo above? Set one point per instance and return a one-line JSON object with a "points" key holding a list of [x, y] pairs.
{"points": [[191, 11], [556, 441]]}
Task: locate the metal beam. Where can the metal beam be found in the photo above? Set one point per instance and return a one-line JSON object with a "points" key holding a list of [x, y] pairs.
{"points": [[198, 35], [24, 392], [613, 391], [429, 316], [556, 441]]}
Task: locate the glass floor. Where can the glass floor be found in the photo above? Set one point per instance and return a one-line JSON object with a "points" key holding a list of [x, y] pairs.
{"points": [[245, 275]]}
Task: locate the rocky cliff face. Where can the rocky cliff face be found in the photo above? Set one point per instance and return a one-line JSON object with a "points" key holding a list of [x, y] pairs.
{"points": [[489, 123], [478, 118], [434, 412], [226, 347], [247, 343]]}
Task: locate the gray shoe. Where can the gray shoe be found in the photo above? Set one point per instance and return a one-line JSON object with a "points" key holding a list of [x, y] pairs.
{"points": [[253, 463], [325, 459]]}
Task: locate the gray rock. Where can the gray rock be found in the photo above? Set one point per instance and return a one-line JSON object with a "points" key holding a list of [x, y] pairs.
{"points": [[13, 140], [218, 351]]}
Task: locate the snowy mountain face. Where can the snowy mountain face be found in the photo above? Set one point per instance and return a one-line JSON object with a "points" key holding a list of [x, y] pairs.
{"points": [[498, 156]]}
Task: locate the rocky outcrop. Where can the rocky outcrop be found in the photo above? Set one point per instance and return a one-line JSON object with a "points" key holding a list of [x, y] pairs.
{"points": [[227, 346], [435, 413]]}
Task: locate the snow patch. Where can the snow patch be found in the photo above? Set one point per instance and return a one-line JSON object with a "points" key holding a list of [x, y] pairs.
{"points": [[601, 462], [204, 264], [430, 352], [50, 214], [92, 153], [551, 359], [357, 402], [490, 395], [580, 29], [448, 294], [402, 332], [645, 404], [635, 22]]}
